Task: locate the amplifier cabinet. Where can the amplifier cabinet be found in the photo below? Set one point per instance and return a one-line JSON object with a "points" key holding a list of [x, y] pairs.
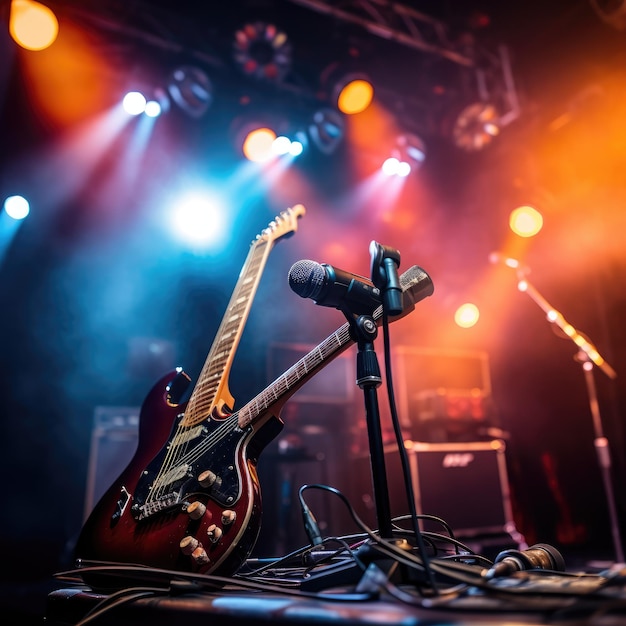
{"points": [[466, 484], [114, 439]]}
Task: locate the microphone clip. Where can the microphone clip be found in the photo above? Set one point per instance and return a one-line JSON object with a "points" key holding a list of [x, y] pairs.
{"points": [[385, 262]]}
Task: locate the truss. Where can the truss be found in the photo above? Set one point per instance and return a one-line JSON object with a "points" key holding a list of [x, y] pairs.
{"points": [[395, 22]]}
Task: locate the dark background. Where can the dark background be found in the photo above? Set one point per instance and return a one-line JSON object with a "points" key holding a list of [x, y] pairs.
{"points": [[91, 269]]}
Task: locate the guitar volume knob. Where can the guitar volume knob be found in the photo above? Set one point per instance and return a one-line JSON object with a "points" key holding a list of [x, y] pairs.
{"points": [[228, 517], [196, 510], [214, 533], [207, 478], [200, 556], [188, 545]]}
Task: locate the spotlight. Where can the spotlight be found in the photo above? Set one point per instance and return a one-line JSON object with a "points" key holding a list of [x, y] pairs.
{"points": [[326, 130], [263, 51], [134, 103], [191, 89], [476, 126], [394, 167], [257, 145], [353, 93], [158, 104], [32, 25], [283, 145], [17, 207], [408, 154]]}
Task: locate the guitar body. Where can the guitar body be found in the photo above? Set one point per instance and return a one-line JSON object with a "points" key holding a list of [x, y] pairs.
{"points": [[196, 485]]}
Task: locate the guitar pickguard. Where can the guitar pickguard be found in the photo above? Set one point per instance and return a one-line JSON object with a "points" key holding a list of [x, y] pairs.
{"points": [[195, 463]]}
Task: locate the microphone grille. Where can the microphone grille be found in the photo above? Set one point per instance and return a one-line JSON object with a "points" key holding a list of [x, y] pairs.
{"points": [[306, 278]]}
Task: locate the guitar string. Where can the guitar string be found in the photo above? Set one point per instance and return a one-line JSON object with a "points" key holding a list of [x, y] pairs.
{"points": [[278, 389], [175, 453], [242, 298], [264, 244]]}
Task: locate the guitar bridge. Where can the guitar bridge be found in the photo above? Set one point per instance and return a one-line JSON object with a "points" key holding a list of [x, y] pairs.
{"points": [[155, 506]]}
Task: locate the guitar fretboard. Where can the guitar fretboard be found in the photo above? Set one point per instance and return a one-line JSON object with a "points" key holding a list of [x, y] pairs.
{"points": [[218, 361]]}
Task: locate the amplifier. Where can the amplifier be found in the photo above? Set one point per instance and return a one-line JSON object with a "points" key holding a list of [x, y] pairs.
{"points": [[465, 484], [114, 438]]}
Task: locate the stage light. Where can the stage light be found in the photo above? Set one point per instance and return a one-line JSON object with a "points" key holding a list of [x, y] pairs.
{"points": [[327, 129], [394, 167], [257, 144], [525, 221], [197, 219], [476, 126], [296, 148], [390, 166], [407, 155], [191, 89], [283, 145], [153, 109], [134, 103], [16, 207], [467, 315], [158, 104], [32, 25], [404, 169], [353, 93], [262, 51]]}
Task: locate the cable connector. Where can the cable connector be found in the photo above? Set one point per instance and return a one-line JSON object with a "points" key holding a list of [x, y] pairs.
{"points": [[311, 527]]}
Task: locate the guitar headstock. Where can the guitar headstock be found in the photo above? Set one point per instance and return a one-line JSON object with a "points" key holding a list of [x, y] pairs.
{"points": [[284, 224]]}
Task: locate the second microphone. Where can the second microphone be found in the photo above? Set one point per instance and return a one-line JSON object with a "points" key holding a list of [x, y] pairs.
{"points": [[330, 286]]}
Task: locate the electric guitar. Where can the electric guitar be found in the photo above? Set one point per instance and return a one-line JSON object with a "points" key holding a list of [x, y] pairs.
{"points": [[210, 396], [195, 506]]}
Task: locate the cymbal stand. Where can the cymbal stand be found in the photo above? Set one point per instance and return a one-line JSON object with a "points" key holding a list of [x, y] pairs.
{"points": [[587, 356]]}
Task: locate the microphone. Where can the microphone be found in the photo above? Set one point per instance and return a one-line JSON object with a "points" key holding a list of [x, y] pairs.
{"points": [[497, 257], [329, 286], [538, 556]]}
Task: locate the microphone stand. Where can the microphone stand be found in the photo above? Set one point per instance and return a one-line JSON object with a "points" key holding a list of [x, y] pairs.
{"points": [[587, 356], [368, 378], [364, 331]]}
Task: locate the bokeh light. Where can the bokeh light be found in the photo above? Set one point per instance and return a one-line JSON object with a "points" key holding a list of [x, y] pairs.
{"points": [[525, 221], [355, 97], [466, 315], [33, 25], [17, 207], [257, 146]]}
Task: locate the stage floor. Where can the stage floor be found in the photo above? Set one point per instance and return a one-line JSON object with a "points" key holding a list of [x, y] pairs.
{"points": [[286, 596]]}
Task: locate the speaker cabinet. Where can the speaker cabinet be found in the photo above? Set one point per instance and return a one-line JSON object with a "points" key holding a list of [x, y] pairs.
{"points": [[465, 484], [114, 438]]}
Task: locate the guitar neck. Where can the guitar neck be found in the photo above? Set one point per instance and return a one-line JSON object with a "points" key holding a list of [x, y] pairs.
{"points": [[416, 285], [211, 392]]}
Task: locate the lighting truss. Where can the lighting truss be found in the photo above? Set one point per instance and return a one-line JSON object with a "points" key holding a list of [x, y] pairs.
{"points": [[379, 17]]}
